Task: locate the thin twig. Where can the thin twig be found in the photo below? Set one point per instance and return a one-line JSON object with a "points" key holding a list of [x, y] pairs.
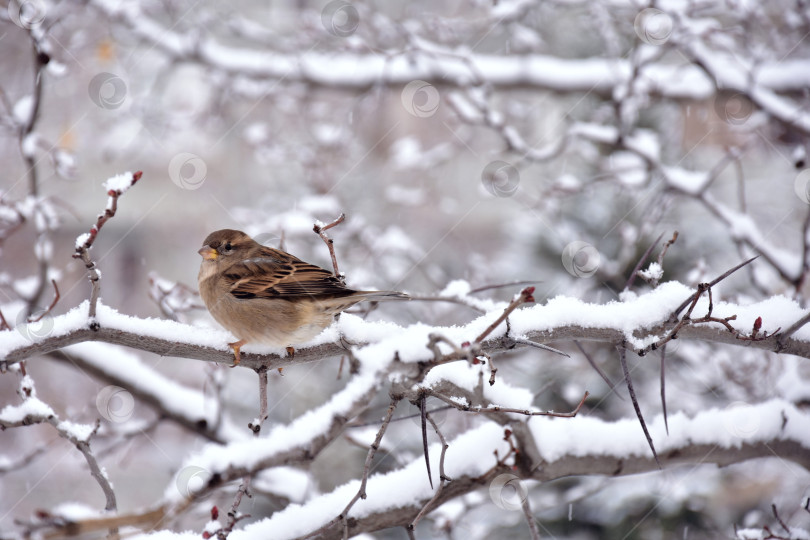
{"points": [[55, 300], [523, 297], [666, 248], [693, 297], [635, 403], [361, 492], [244, 488], [321, 231], [596, 368], [640, 263], [542, 346], [503, 285], [498, 409], [41, 60], [663, 386], [527, 512], [401, 418], [779, 519], [449, 299], [83, 250]]}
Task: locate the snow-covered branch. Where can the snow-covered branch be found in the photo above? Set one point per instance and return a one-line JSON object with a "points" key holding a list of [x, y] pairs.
{"points": [[641, 320]]}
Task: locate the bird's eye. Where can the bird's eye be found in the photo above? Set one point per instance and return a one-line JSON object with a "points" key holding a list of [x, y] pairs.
{"points": [[228, 247]]}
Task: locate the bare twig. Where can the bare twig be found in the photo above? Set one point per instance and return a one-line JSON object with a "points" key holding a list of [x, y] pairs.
{"points": [[693, 298], [779, 519], [449, 299], [41, 60], [321, 231], [523, 297], [3, 323], [498, 409], [503, 285], [666, 247], [636, 406], [527, 512], [640, 263], [361, 492], [85, 242], [663, 386], [596, 368], [542, 346], [244, 488], [173, 300], [53, 304]]}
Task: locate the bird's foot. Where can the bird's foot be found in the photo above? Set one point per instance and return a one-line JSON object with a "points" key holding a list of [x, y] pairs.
{"points": [[237, 355]]}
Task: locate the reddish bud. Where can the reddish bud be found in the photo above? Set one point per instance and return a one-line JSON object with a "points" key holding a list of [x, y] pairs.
{"points": [[476, 361], [507, 433], [465, 344], [206, 535], [136, 176], [214, 513], [757, 324]]}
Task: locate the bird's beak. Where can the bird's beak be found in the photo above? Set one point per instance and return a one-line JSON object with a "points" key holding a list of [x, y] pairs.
{"points": [[208, 253]]}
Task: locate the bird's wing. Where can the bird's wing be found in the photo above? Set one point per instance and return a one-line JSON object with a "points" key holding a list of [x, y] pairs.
{"points": [[279, 275]]}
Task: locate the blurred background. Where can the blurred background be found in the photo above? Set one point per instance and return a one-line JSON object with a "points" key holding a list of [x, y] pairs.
{"points": [[468, 141]]}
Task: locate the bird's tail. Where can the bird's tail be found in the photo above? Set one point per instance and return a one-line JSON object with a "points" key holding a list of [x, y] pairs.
{"points": [[378, 296]]}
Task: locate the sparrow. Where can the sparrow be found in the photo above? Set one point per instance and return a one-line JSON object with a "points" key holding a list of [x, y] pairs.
{"points": [[265, 295]]}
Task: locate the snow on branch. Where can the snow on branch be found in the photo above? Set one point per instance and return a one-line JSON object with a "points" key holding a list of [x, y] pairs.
{"points": [[641, 321], [561, 448], [359, 71], [33, 411]]}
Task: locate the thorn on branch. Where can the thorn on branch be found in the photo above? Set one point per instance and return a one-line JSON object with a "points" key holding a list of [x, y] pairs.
{"points": [[443, 478], [636, 406], [423, 414]]}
